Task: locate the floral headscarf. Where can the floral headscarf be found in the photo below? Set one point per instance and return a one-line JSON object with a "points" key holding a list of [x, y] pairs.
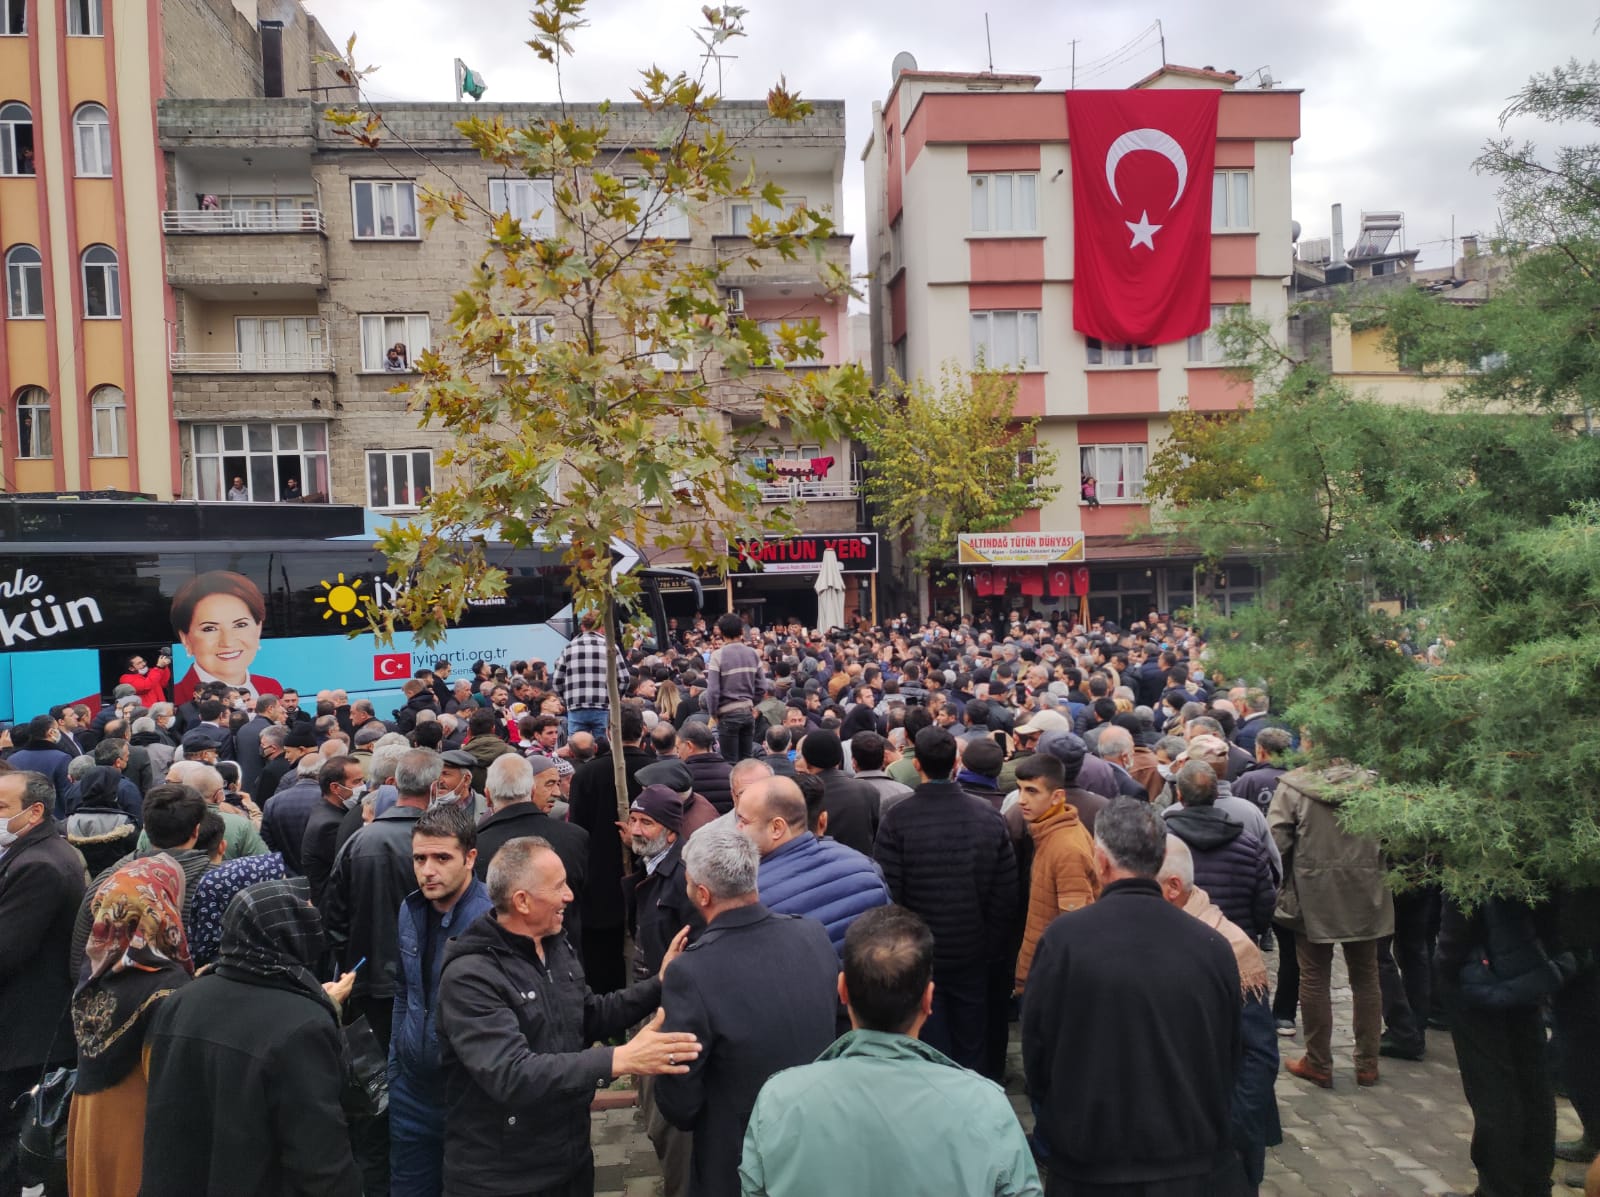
{"points": [[136, 955]]}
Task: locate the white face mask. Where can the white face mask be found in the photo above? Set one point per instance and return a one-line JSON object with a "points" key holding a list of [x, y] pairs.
{"points": [[7, 836], [1164, 770]]}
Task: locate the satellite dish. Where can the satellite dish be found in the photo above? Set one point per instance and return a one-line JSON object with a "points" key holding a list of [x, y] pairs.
{"points": [[903, 62], [1294, 230]]}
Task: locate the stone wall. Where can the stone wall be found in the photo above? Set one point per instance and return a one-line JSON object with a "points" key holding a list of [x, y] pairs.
{"points": [[246, 259], [212, 49]]}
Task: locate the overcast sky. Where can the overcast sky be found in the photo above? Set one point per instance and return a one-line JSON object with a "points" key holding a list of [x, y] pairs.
{"points": [[1399, 95]]}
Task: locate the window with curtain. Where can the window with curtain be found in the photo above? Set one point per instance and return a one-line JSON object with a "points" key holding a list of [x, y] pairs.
{"points": [[16, 139], [102, 298], [1204, 348], [527, 200], [1005, 340], [91, 132], [1118, 471], [1230, 201], [13, 18], [264, 458], [24, 283], [1005, 203], [385, 209], [398, 477], [33, 423], [268, 343], [108, 415], [1114, 353], [84, 19], [406, 335], [660, 217]]}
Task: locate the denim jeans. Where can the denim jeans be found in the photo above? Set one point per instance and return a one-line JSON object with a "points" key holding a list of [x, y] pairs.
{"points": [[736, 736], [416, 1137], [590, 719]]}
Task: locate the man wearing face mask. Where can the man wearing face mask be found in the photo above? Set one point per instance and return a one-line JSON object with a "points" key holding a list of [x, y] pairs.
{"points": [[41, 888], [38, 753], [342, 784], [458, 783]]}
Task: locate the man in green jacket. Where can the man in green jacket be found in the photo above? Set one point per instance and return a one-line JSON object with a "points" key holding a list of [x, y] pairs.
{"points": [[880, 1112]]}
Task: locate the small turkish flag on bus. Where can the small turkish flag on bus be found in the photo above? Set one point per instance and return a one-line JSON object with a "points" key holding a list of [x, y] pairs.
{"points": [[391, 667]]}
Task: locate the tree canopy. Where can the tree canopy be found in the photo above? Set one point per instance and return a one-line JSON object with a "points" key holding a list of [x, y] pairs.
{"points": [[949, 456], [1433, 604]]}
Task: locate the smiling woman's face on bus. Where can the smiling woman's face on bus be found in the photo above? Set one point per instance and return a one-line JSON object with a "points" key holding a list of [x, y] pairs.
{"points": [[223, 638]]}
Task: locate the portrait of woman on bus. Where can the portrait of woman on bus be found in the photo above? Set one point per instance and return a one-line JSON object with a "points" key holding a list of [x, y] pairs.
{"points": [[217, 617]]}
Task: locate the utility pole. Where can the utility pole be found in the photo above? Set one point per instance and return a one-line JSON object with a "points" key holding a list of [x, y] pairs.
{"points": [[989, 41], [1074, 45], [1162, 34]]}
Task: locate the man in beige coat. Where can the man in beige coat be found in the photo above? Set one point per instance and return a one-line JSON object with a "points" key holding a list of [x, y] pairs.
{"points": [[1334, 892]]}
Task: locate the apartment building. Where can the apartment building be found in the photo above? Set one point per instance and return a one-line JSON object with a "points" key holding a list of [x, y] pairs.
{"points": [[970, 227], [83, 362], [305, 286]]}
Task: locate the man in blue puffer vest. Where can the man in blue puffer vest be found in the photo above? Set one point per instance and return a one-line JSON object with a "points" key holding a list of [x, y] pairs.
{"points": [[801, 872], [448, 900]]}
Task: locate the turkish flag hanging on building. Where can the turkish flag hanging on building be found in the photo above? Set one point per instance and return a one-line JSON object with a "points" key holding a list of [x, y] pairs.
{"points": [[1141, 212], [1080, 580], [1060, 580], [1032, 581], [983, 582]]}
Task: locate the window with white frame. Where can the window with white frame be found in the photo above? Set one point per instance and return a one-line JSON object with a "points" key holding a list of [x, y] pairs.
{"points": [[1115, 353], [1117, 470], [13, 18], [108, 416], [1205, 349], [1005, 340], [16, 139], [530, 330], [102, 297], [654, 348], [1230, 201], [398, 477], [268, 343], [1005, 203], [385, 209], [24, 283], [270, 463], [84, 19], [531, 201], [91, 135], [1025, 461], [391, 343], [660, 216], [33, 423], [740, 211]]}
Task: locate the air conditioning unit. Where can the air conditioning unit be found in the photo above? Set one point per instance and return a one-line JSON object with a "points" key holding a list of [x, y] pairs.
{"points": [[736, 300]]}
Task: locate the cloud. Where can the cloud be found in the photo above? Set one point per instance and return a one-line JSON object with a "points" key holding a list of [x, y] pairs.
{"points": [[1398, 98]]}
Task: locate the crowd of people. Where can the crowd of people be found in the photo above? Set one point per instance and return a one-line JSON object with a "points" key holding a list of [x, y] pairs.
{"points": [[298, 948]]}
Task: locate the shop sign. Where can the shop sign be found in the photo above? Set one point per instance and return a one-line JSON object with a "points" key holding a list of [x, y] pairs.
{"points": [[857, 553], [1019, 548]]}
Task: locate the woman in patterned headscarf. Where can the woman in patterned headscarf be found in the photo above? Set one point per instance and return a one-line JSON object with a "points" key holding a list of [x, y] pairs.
{"points": [[136, 957]]}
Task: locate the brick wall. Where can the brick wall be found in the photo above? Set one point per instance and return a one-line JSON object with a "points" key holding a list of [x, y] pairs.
{"points": [[246, 259]]}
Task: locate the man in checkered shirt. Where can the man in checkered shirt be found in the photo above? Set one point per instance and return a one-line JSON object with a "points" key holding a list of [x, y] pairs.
{"points": [[580, 678]]}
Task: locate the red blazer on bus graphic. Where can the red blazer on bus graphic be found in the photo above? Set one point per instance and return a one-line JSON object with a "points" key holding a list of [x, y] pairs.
{"points": [[217, 617]]}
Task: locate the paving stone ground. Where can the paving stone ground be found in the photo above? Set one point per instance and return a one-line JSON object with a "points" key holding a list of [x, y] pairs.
{"points": [[1405, 1137]]}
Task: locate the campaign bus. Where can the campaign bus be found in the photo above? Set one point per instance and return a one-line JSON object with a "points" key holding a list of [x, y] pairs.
{"points": [[258, 596]]}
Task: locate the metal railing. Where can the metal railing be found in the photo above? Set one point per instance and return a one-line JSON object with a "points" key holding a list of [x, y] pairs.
{"points": [[314, 361], [828, 488], [221, 220]]}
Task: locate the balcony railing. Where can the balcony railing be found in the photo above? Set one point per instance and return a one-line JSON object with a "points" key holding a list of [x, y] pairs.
{"points": [[311, 361], [827, 489], [212, 220]]}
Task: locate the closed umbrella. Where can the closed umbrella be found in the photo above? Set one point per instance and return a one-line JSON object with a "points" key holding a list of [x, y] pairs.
{"points": [[830, 593]]}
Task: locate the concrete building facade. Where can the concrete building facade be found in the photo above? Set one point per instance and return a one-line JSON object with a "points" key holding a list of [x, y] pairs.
{"points": [[83, 362], [970, 226], [298, 259]]}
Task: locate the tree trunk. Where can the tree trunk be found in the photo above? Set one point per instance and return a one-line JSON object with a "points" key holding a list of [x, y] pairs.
{"points": [[619, 773]]}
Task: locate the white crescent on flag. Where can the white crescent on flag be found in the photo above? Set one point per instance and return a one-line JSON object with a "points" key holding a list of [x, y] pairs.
{"points": [[391, 666], [1155, 141]]}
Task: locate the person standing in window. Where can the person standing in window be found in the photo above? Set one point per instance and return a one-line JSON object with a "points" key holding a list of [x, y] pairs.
{"points": [[237, 493]]}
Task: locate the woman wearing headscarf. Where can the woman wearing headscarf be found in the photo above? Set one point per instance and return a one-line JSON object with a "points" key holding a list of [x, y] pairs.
{"points": [[247, 1064], [137, 957], [215, 891]]}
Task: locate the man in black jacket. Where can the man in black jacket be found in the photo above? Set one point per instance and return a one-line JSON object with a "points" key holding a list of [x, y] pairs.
{"points": [[947, 856], [852, 805], [657, 899], [709, 770], [521, 792], [1094, 1092], [41, 886], [594, 808], [1230, 863], [516, 1025], [759, 989], [372, 875], [339, 782]]}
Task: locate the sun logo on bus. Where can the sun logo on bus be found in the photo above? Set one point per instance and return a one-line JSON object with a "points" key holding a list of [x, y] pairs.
{"points": [[343, 599]]}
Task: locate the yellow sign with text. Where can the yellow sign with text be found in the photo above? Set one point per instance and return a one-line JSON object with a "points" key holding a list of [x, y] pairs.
{"points": [[1019, 548]]}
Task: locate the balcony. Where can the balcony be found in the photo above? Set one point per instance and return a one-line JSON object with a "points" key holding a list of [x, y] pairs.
{"points": [[829, 489], [307, 361], [211, 220], [773, 273], [221, 254]]}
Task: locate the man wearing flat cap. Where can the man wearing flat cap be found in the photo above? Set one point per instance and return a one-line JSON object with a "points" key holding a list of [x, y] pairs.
{"points": [[458, 782], [659, 907]]}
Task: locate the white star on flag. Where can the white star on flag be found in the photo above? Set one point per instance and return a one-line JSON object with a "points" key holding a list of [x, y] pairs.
{"points": [[1143, 232]]}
